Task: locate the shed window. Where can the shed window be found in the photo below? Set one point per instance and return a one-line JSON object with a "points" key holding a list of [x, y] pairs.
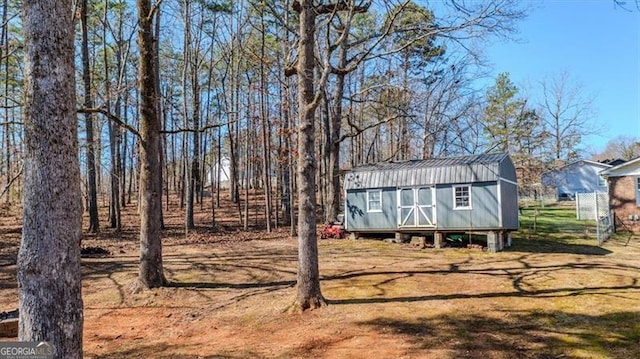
{"points": [[462, 197], [601, 181], [374, 200]]}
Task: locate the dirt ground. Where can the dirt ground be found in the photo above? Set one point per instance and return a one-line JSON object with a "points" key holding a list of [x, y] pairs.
{"points": [[230, 290]]}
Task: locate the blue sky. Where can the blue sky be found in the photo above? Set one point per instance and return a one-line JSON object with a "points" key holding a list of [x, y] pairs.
{"points": [[596, 43]]}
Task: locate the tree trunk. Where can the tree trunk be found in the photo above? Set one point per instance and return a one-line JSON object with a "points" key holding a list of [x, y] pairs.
{"points": [[160, 113], [308, 279], [247, 168], [195, 184], [233, 127], [323, 151], [94, 221], [403, 127], [114, 202], [125, 150], [151, 272], [4, 40], [50, 296], [284, 161], [98, 149], [334, 148], [266, 139], [183, 170], [192, 170], [121, 104]]}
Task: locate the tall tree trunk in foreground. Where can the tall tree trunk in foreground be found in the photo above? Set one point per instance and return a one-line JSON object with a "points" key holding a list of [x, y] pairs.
{"points": [[49, 285], [308, 288], [151, 272]]}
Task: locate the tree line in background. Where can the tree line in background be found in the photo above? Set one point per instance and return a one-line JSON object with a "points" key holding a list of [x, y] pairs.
{"points": [[395, 81], [288, 92]]}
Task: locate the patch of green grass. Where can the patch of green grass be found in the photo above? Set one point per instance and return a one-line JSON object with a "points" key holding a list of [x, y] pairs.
{"points": [[542, 244], [554, 222], [598, 336]]}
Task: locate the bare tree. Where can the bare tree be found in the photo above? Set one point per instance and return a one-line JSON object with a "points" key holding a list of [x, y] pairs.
{"points": [[151, 271], [620, 147], [333, 121], [568, 115], [266, 138], [94, 221], [49, 258], [308, 294], [627, 5], [190, 72], [114, 137], [414, 36]]}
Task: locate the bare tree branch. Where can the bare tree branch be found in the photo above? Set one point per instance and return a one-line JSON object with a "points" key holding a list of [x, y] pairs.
{"points": [[11, 123], [200, 130], [154, 9], [111, 117], [13, 179], [356, 130], [623, 5]]}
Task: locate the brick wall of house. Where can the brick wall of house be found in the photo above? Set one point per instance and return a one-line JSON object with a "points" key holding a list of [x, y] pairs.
{"points": [[622, 199]]}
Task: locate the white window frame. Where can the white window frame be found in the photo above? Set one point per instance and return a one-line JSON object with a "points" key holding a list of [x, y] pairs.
{"points": [[461, 208], [369, 200], [602, 182]]}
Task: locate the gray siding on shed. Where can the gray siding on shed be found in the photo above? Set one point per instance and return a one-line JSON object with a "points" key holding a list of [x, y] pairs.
{"points": [[484, 212], [508, 170], [509, 202], [357, 217]]}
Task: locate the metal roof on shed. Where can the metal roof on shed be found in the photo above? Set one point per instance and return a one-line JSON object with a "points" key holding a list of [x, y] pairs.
{"points": [[464, 169]]}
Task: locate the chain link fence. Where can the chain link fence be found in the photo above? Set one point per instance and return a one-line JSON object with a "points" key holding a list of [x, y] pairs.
{"points": [[595, 207]]}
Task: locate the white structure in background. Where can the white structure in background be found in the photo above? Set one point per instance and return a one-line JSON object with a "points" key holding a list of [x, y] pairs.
{"points": [[581, 176], [220, 174]]}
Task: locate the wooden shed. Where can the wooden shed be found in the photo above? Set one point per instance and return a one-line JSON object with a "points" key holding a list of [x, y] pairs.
{"points": [[476, 193]]}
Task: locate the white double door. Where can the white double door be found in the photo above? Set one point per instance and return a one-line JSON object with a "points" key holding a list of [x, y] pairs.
{"points": [[416, 207]]}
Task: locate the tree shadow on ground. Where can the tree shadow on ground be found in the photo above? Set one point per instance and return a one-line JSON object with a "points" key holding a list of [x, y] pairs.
{"points": [[219, 285], [556, 245], [541, 293], [522, 274], [166, 351], [549, 334]]}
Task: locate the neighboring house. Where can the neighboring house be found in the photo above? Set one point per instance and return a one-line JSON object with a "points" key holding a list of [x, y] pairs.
{"points": [[581, 176], [613, 161], [624, 195], [440, 195]]}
